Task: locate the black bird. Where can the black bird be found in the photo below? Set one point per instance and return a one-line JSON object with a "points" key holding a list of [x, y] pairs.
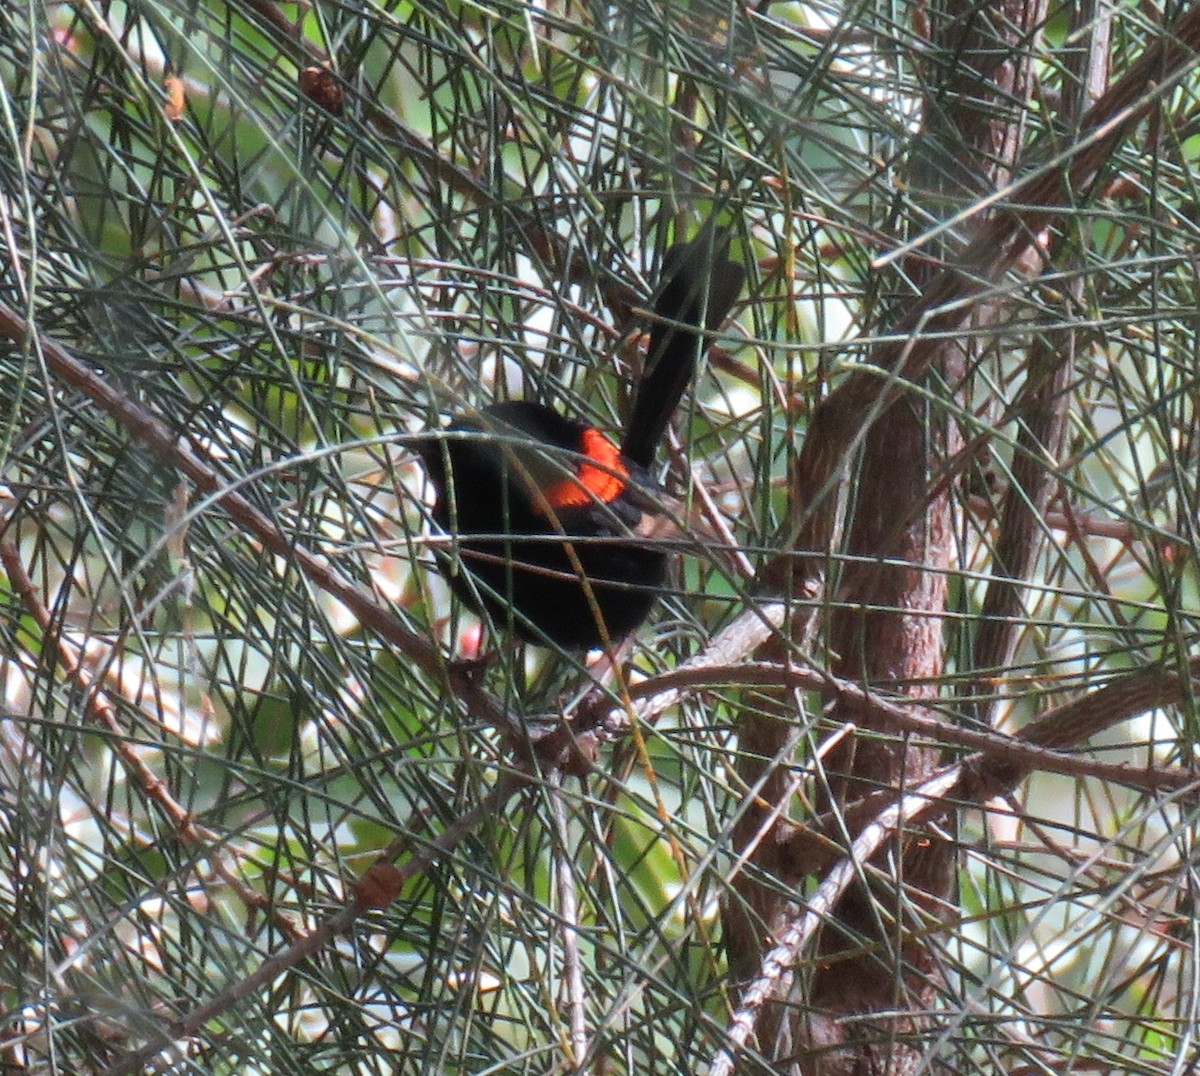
{"points": [[557, 528]]}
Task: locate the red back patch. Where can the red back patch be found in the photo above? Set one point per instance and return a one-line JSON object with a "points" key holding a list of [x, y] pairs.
{"points": [[603, 480]]}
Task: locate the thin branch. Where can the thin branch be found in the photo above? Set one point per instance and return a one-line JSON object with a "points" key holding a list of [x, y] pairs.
{"points": [[102, 712], [839, 421], [974, 780], [569, 926], [197, 466], [147, 1057], [776, 975], [1086, 717], [1043, 402]]}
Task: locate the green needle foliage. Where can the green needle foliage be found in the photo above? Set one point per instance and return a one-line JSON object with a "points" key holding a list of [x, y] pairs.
{"points": [[295, 236]]}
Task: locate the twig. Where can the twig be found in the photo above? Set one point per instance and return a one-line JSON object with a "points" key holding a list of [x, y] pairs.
{"points": [[777, 965], [948, 301], [338, 923], [568, 901], [102, 712], [199, 468], [1140, 691]]}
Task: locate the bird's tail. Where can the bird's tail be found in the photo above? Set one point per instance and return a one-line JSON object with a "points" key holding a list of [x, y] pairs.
{"points": [[698, 286]]}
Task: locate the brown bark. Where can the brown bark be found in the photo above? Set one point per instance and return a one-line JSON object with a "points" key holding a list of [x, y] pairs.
{"points": [[862, 1008], [887, 627], [1042, 405]]}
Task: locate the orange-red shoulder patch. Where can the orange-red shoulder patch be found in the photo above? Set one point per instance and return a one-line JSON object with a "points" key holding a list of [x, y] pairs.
{"points": [[602, 480]]}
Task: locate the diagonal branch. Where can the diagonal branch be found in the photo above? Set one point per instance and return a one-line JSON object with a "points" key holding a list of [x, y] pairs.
{"points": [[192, 463], [1021, 213]]}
